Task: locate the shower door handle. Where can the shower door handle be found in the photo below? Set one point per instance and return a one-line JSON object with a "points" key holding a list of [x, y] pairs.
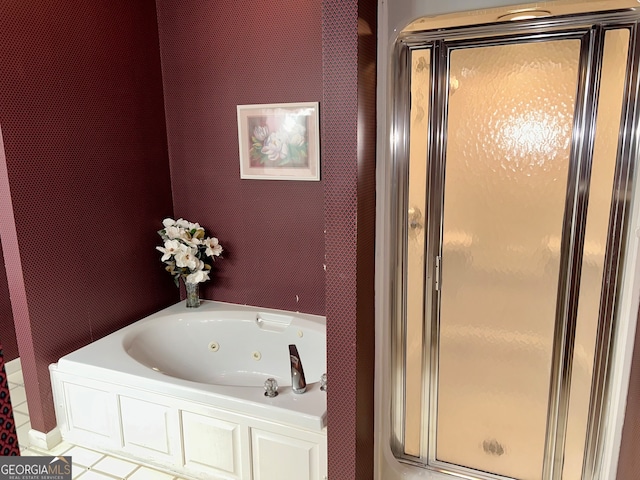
{"points": [[415, 218]]}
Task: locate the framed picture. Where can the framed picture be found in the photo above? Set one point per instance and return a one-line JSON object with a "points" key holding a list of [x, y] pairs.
{"points": [[279, 141]]}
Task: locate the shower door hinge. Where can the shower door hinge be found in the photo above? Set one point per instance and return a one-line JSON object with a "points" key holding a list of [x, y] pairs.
{"points": [[438, 278]]}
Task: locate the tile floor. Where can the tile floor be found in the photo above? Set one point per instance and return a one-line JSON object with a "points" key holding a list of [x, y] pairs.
{"points": [[86, 464]]}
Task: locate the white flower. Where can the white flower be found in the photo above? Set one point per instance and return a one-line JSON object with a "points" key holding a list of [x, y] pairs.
{"points": [[275, 147], [173, 232], [261, 133], [186, 251], [214, 249], [292, 127], [197, 276], [193, 242], [289, 123], [297, 129], [296, 139], [186, 259], [171, 247], [187, 225], [182, 223]]}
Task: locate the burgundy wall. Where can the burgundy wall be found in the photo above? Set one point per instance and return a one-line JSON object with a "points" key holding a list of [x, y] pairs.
{"points": [[366, 216], [86, 160], [86, 176], [215, 56], [7, 329], [349, 52]]}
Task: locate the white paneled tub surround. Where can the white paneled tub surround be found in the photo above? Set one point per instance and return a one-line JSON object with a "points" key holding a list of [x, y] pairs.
{"points": [[183, 389]]}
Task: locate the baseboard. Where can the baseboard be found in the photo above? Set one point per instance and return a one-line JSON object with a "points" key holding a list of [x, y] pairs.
{"points": [[13, 366], [45, 441]]}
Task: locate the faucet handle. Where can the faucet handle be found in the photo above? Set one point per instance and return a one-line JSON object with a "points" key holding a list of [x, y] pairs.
{"points": [[323, 382], [271, 387]]}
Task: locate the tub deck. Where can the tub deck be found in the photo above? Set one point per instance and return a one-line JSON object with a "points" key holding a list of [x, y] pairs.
{"points": [[106, 399]]}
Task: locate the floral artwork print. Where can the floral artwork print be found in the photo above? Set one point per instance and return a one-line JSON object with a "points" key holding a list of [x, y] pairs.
{"points": [[279, 141]]}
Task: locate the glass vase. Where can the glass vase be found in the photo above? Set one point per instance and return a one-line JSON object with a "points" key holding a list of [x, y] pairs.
{"points": [[193, 294]]}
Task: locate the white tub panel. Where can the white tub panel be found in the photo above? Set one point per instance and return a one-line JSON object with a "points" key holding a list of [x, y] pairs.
{"points": [[147, 428], [278, 456], [95, 419], [212, 445]]}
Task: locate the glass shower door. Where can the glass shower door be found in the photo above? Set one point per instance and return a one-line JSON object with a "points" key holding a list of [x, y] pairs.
{"points": [[508, 154], [510, 201]]}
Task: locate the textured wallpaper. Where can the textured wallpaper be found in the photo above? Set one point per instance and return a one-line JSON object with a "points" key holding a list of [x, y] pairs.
{"points": [[86, 165], [215, 56], [7, 329], [349, 47]]}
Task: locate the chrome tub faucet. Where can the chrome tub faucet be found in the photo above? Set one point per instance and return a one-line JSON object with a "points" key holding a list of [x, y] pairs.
{"points": [[298, 382]]}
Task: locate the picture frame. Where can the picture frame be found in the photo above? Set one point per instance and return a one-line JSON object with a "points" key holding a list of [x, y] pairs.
{"points": [[279, 141]]}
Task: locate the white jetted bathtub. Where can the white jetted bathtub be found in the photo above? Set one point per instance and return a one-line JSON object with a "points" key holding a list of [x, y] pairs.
{"points": [[183, 389]]}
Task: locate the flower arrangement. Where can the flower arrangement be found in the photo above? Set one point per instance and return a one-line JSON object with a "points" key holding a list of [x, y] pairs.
{"points": [[186, 251], [286, 146]]}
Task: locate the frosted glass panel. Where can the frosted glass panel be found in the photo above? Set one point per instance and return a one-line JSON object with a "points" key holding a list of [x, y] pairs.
{"points": [[616, 47], [420, 88], [507, 157]]}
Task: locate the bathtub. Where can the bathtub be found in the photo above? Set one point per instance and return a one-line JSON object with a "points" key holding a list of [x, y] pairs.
{"points": [[183, 390]]}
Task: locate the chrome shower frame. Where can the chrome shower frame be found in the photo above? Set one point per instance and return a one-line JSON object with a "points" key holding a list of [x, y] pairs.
{"points": [[590, 29]]}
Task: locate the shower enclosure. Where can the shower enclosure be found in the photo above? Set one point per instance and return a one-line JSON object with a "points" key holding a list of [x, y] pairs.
{"points": [[512, 163]]}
